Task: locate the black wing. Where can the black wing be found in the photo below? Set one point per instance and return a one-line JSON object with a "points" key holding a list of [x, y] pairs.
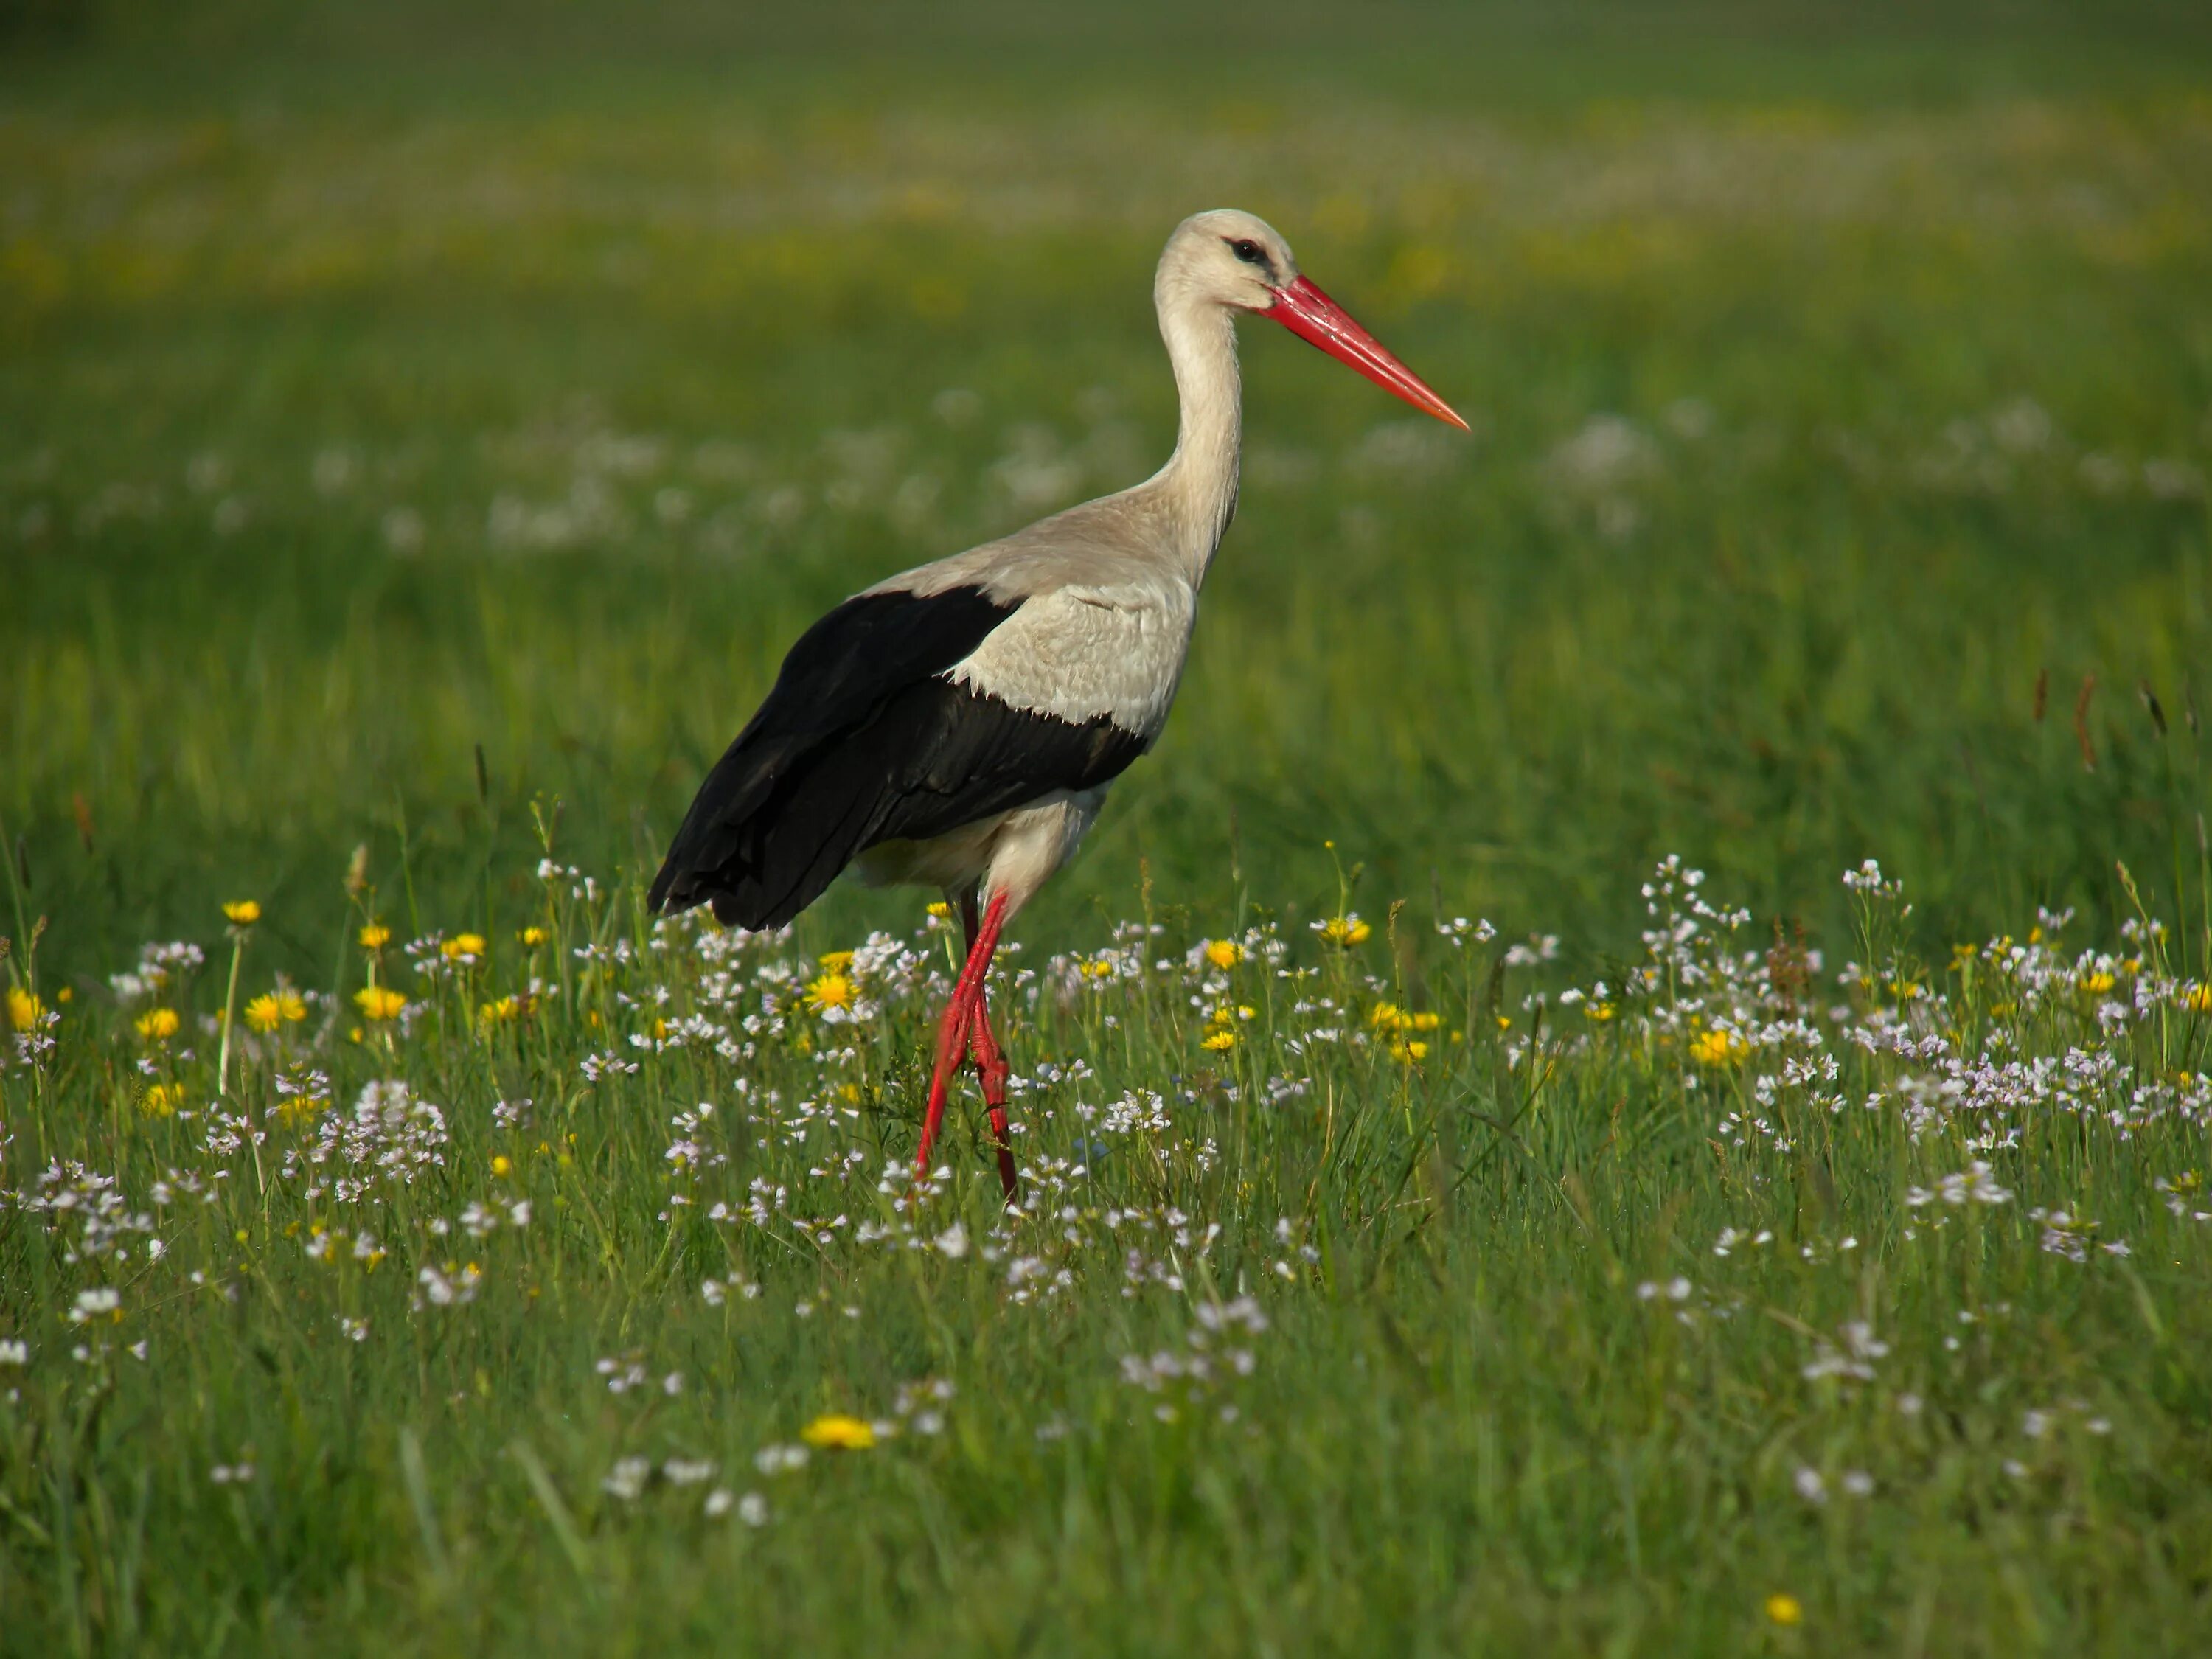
{"points": [[862, 741]]}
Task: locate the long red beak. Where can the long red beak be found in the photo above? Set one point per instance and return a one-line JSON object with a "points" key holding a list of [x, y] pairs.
{"points": [[1312, 315]]}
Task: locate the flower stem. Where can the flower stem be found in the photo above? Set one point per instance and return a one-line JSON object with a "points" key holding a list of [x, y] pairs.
{"points": [[229, 1015]]}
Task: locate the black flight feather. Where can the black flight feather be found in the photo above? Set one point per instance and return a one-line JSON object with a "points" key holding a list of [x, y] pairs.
{"points": [[862, 741]]}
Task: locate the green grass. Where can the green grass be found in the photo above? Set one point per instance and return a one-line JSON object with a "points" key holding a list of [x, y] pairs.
{"points": [[429, 450]]}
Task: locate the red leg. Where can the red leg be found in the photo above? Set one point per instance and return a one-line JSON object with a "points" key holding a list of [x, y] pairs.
{"points": [[991, 1067], [952, 1029]]}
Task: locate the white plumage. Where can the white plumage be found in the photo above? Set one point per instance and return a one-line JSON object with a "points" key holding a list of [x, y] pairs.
{"points": [[958, 725]]}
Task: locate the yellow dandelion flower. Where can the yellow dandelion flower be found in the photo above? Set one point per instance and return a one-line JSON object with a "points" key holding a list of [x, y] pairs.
{"points": [[533, 936], [243, 913], [1784, 1609], [469, 946], [1599, 1012], [835, 961], [1219, 1040], [2098, 984], [375, 937], [1096, 968], [157, 1024], [378, 1002], [266, 1012], [832, 990], [1223, 952], [1406, 1050], [25, 1010], [2197, 999], [66, 994], [293, 1110], [837, 1432], [502, 1165], [1344, 931], [1390, 1016], [941, 909], [162, 1099], [503, 1012], [1717, 1047]]}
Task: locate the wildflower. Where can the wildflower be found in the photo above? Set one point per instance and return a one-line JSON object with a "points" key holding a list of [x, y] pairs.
{"points": [[158, 1024], [1973, 1185], [835, 961], [378, 1002], [162, 1099], [1717, 1047], [1223, 952], [1810, 1486], [2197, 999], [1343, 932], [266, 1012], [837, 1432], [502, 1165], [1782, 1608], [375, 937], [242, 912], [25, 1011], [627, 1479], [533, 936], [1599, 1012], [2097, 984], [832, 990], [464, 948], [940, 910], [15, 1353], [1218, 1039], [90, 1304], [1393, 1022], [501, 1012]]}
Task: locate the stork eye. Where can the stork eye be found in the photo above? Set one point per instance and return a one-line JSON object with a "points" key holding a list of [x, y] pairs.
{"points": [[1249, 250]]}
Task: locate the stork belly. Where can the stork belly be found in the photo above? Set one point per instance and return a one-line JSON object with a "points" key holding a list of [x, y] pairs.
{"points": [[1014, 853]]}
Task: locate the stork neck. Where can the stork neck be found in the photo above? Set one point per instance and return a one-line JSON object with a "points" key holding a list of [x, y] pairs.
{"points": [[1197, 488]]}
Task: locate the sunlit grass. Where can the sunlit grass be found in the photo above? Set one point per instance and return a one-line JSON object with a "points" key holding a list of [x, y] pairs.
{"points": [[1354, 1268], [401, 486]]}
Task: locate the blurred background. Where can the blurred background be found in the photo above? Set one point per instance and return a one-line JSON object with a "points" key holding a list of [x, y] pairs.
{"points": [[412, 412]]}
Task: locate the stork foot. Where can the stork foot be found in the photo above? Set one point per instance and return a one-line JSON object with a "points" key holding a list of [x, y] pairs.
{"points": [[955, 1041], [992, 1070]]}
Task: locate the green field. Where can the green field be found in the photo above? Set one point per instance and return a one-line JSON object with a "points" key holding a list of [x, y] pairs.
{"points": [[421, 431]]}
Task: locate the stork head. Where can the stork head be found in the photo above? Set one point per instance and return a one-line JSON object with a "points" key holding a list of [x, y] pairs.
{"points": [[1240, 262]]}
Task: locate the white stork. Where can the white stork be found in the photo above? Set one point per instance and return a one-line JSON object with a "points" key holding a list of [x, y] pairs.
{"points": [[957, 727]]}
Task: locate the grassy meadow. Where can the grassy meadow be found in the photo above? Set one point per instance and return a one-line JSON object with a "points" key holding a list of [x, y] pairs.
{"points": [[1452, 1223]]}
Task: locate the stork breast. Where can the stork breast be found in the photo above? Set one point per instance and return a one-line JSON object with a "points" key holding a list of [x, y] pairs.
{"points": [[1079, 653]]}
